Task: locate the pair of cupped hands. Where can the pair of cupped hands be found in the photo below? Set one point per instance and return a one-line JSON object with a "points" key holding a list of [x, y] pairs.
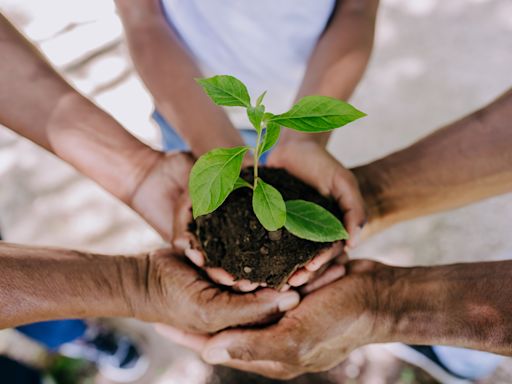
{"points": [[308, 328]]}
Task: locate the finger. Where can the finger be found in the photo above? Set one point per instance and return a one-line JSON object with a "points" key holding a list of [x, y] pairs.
{"points": [[220, 276], [351, 202], [245, 286], [195, 257], [300, 277], [246, 345], [334, 272], [189, 340], [231, 309], [324, 257]]}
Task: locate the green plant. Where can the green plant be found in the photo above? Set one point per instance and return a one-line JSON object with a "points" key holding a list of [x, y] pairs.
{"points": [[217, 173]]}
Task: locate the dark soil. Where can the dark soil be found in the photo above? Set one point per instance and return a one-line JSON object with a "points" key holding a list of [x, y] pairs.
{"points": [[234, 240]]}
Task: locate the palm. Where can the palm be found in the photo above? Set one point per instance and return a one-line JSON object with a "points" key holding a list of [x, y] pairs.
{"points": [[162, 196]]}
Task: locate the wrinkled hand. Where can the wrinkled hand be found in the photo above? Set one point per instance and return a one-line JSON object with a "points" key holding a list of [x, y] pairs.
{"points": [[310, 162], [173, 292], [162, 194], [316, 336]]}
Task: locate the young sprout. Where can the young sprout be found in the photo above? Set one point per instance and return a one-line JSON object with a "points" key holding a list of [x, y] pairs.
{"points": [[217, 173]]}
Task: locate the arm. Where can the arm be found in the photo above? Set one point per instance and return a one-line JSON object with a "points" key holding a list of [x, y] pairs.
{"points": [[38, 104], [169, 72], [464, 162], [40, 284], [465, 305], [336, 66], [340, 58]]}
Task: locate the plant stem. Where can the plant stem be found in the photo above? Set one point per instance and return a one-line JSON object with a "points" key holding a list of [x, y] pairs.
{"points": [[257, 157]]}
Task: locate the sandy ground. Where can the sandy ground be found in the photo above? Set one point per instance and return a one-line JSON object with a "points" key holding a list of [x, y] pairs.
{"points": [[433, 62]]}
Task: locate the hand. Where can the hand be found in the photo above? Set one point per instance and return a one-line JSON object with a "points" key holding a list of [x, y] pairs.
{"points": [[310, 162], [173, 292], [161, 198], [316, 336]]}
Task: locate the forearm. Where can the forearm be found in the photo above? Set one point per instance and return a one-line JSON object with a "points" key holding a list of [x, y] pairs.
{"points": [[169, 73], [41, 284], [464, 305], [340, 57], [38, 104], [459, 164]]}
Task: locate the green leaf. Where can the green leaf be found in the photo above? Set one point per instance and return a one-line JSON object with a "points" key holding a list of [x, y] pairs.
{"points": [[255, 115], [318, 114], [267, 116], [271, 136], [226, 90], [259, 100], [213, 177], [241, 183], [269, 206], [310, 221]]}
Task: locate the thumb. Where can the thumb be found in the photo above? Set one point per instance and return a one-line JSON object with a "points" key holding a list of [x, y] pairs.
{"points": [[244, 345], [234, 309]]}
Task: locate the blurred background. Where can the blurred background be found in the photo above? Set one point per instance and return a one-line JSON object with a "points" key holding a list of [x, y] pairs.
{"points": [[433, 61]]}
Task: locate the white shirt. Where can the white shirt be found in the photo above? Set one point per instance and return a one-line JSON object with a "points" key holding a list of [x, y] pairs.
{"points": [[264, 43]]}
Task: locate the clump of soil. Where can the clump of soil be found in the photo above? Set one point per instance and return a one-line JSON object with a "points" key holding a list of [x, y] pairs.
{"points": [[233, 238]]}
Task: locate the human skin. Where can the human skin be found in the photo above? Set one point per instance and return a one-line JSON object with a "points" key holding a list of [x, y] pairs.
{"points": [[341, 53], [334, 69], [41, 284], [38, 104], [465, 305], [169, 74]]}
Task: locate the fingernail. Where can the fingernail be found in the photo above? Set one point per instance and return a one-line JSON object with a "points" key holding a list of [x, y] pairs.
{"points": [[195, 256], [288, 302], [313, 266], [297, 281], [216, 356], [182, 243], [248, 287]]}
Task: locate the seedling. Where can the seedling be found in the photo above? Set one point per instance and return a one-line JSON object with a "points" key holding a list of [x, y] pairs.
{"points": [[217, 173]]}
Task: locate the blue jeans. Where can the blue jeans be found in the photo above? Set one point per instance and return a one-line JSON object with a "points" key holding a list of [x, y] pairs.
{"points": [[53, 334]]}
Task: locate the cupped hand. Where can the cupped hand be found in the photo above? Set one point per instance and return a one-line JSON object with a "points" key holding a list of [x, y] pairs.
{"points": [[315, 336], [173, 292], [312, 163], [162, 195]]}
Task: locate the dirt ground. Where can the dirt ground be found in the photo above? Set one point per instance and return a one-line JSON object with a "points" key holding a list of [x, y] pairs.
{"points": [[433, 62]]}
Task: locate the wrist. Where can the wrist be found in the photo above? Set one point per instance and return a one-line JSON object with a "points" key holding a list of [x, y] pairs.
{"points": [[99, 147], [377, 292], [376, 182]]}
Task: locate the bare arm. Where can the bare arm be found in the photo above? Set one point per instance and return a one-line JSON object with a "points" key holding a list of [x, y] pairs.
{"points": [[169, 72], [466, 161], [340, 57], [465, 305], [38, 104], [40, 284]]}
